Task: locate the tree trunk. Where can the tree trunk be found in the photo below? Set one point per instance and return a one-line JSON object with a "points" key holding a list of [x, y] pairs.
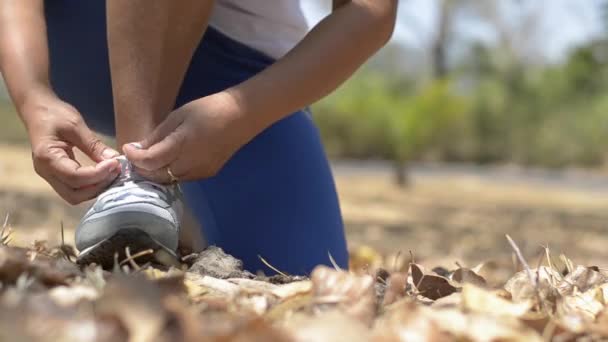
{"points": [[402, 178], [442, 39]]}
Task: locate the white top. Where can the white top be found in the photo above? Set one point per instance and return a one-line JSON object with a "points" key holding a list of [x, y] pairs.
{"points": [[269, 26]]}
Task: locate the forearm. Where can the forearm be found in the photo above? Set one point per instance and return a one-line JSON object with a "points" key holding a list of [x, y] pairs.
{"points": [[24, 60], [324, 59], [150, 47]]}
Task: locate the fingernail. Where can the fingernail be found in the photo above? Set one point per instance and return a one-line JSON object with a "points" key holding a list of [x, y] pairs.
{"points": [[109, 153], [136, 145]]}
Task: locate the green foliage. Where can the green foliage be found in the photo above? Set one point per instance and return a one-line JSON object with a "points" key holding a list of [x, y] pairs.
{"points": [[373, 116], [489, 111]]}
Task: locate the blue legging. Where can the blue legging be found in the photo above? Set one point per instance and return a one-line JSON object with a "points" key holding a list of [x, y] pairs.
{"points": [[275, 198]]}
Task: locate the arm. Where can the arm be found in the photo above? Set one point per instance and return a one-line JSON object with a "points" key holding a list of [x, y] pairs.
{"points": [[24, 57], [221, 123], [54, 126], [343, 41]]}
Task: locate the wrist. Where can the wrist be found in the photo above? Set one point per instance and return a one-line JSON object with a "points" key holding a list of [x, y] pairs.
{"points": [[34, 97], [34, 107], [255, 112], [240, 119]]}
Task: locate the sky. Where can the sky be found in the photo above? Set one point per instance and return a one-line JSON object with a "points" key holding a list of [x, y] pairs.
{"points": [[563, 23]]}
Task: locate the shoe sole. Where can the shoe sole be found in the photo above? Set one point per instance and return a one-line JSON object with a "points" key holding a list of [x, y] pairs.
{"points": [[112, 250]]}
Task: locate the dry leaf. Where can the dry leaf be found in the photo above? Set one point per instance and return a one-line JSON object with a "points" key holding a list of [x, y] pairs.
{"points": [[395, 289], [483, 301], [327, 326], [363, 258], [136, 303], [214, 262], [292, 289], [253, 286], [479, 327], [522, 290], [406, 322], [429, 285], [468, 276], [354, 294], [581, 279], [579, 310], [197, 285], [72, 295]]}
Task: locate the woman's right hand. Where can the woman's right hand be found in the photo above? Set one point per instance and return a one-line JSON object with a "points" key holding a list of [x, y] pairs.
{"points": [[55, 128]]}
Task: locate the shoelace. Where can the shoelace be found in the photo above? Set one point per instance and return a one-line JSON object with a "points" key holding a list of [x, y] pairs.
{"points": [[131, 184]]}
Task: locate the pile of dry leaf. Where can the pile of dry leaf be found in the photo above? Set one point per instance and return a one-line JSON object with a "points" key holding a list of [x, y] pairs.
{"points": [[44, 296]]}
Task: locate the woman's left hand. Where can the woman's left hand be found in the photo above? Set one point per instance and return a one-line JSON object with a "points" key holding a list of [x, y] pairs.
{"points": [[193, 142]]}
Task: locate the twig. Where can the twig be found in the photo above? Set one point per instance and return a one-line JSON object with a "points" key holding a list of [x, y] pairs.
{"points": [[548, 256], [521, 259], [396, 260], [130, 258], [534, 281], [116, 268], [549, 330], [6, 232], [62, 235], [554, 279], [272, 267], [568, 262], [333, 262]]}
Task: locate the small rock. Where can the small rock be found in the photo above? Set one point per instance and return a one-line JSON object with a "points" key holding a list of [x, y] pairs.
{"points": [[214, 262]]}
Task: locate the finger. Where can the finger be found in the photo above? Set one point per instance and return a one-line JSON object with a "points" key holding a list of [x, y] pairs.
{"points": [[169, 125], [159, 176], [76, 196], [88, 142], [69, 172], [70, 153], [157, 155]]}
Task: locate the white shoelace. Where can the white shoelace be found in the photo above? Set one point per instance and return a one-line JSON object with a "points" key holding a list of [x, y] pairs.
{"points": [[130, 185]]}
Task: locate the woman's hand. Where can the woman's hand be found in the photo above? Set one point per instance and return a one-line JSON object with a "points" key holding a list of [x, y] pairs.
{"points": [[195, 140], [55, 128]]}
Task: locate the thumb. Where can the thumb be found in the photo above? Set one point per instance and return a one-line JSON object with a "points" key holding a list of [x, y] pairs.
{"points": [[160, 148], [157, 155], [88, 142]]}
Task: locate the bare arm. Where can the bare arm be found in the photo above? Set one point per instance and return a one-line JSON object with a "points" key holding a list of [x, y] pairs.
{"points": [[150, 47], [221, 123], [324, 59], [54, 127], [24, 59]]}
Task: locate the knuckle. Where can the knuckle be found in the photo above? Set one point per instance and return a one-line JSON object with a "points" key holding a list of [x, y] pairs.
{"points": [[95, 145], [40, 156], [72, 179], [68, 125], [39, 153]]}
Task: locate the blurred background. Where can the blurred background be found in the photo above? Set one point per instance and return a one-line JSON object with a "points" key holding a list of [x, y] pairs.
{"points": [[478, 119]]}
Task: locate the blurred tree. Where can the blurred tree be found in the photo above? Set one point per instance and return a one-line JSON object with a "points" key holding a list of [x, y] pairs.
{"points": [[442, 38], [382, 117], [457, 98]]}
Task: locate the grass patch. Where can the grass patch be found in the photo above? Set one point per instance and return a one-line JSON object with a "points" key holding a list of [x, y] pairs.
{"points": [[12, 130]]}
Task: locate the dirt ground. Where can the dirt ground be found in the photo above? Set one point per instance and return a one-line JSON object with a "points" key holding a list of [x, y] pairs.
{"points": [[441, 219]]}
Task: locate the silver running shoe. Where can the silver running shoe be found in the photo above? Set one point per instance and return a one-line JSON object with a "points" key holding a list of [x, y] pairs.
{"points": [[133, 212]]}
